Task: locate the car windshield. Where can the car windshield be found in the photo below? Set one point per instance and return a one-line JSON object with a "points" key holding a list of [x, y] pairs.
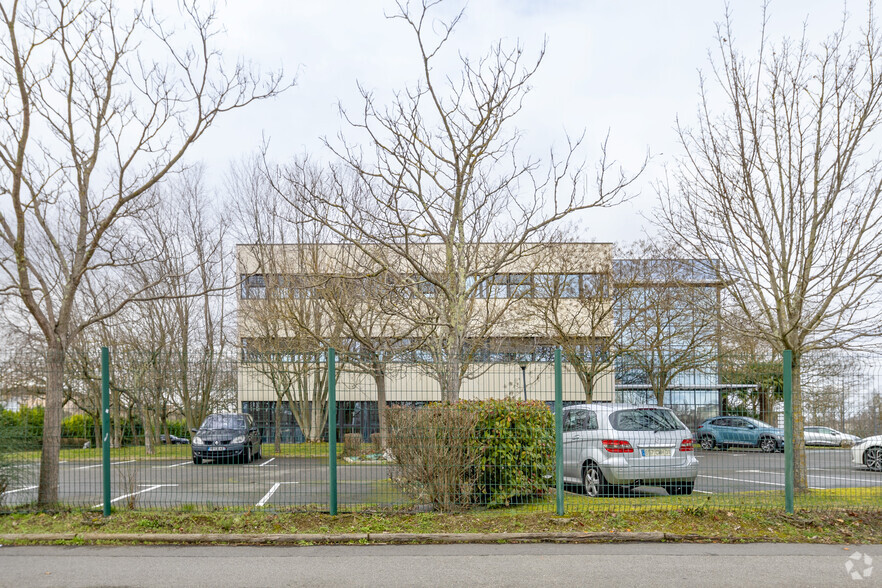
{"points": [[224, 421], [644, 419]]}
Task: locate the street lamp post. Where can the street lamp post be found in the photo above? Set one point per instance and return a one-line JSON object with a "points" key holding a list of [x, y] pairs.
{"points": [[524, 375]]}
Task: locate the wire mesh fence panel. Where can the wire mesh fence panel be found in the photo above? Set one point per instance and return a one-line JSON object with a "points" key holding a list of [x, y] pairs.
{"points": [[448, 436], [412, 433], [727, 448]]}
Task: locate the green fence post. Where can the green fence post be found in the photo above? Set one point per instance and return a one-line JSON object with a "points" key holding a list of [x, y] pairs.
{"points": [[332, 429], [105, 428], [788, 431], [558, 433]]}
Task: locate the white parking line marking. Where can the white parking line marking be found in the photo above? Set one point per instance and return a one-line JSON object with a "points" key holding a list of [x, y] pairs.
{"points": [[269, 494], [751, 481], [171, 466], [112, 463], [863, 480], [739, 480], [702, 492], [154, 487], [266, 462], [21, 489]]}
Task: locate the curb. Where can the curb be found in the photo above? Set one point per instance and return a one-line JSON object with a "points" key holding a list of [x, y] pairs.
{"points": [[362, 538]]}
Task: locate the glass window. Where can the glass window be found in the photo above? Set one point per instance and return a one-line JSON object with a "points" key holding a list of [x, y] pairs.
{"points": [[578, 420], [253, 287], [519, 285], [594, 285], [497, 286], [569, 286], [592, 420], [224, 421], [644, 419]]}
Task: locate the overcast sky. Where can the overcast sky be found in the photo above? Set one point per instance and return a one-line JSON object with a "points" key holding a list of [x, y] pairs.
{"points": [[630, 68]]}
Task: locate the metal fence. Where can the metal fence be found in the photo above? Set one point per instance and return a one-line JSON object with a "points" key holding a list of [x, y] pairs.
{"points": [[520, 435]]}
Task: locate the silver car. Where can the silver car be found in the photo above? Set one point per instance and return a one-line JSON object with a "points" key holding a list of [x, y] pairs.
{"points": [[828, 437], [609, 447]]}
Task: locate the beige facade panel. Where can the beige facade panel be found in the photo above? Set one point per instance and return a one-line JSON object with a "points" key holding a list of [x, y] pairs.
{"points": [[409, 382], [516, 318], [342, 258]]}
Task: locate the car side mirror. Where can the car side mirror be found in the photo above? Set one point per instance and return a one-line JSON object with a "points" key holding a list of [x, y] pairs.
{"points": [[194, 430], [836, 433], [751, 426]]}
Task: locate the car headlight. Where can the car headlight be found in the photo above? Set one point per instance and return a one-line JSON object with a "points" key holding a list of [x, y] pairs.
{"points": [[239, 439], [198, 441]]}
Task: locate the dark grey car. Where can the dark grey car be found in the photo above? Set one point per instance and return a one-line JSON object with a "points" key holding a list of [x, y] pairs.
{"points": [[226, 436]]}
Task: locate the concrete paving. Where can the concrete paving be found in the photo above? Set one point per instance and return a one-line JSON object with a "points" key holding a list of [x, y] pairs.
{"points": [[644, 565], [288, 481]]}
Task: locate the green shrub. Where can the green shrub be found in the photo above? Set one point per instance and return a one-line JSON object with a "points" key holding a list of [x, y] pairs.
{"points": [[490, 452], [78, 426], [27, 423], [515, 439], [179, 428], [11, 472]]}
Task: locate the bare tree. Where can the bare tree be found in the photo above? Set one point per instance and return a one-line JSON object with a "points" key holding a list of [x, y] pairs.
{"points": [[192, 272], [284, 320], [99, 103], [671, 309], [582, 313], [442, 198], [750, 367], [782, 184]]}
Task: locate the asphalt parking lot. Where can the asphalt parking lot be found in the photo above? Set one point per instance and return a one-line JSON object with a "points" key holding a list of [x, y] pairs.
{"points": [[287, 481]]}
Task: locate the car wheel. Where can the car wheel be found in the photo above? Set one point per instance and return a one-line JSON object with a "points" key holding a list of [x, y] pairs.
{"points": [[707, 442], [873, 458], [197, 460], [594, 482], [768, 445]]}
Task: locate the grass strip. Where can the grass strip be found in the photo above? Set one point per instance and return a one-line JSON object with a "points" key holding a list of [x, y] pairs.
{"points": [[697, 524]]}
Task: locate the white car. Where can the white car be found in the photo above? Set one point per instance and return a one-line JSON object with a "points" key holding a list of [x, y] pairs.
{"points": [[829, 437], [868, 452]]}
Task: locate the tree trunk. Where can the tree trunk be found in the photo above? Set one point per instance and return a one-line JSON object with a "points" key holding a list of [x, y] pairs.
{"points": [[451, 381], [147, 429], [116, 425], [800, 471], [47, 494], [317, 427], [766, 404], [382, 407], [98, 433], [659, 395], [277, 437]]}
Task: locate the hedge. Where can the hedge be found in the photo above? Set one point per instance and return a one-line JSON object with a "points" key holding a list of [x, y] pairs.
{"points": [[488, 452], [516, 439]]}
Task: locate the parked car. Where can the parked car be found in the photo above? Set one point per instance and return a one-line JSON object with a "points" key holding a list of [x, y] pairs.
{"points": [[174, 440], [828, 437], [226, 436], [727, 431], [609, 447], [868, 452]]}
